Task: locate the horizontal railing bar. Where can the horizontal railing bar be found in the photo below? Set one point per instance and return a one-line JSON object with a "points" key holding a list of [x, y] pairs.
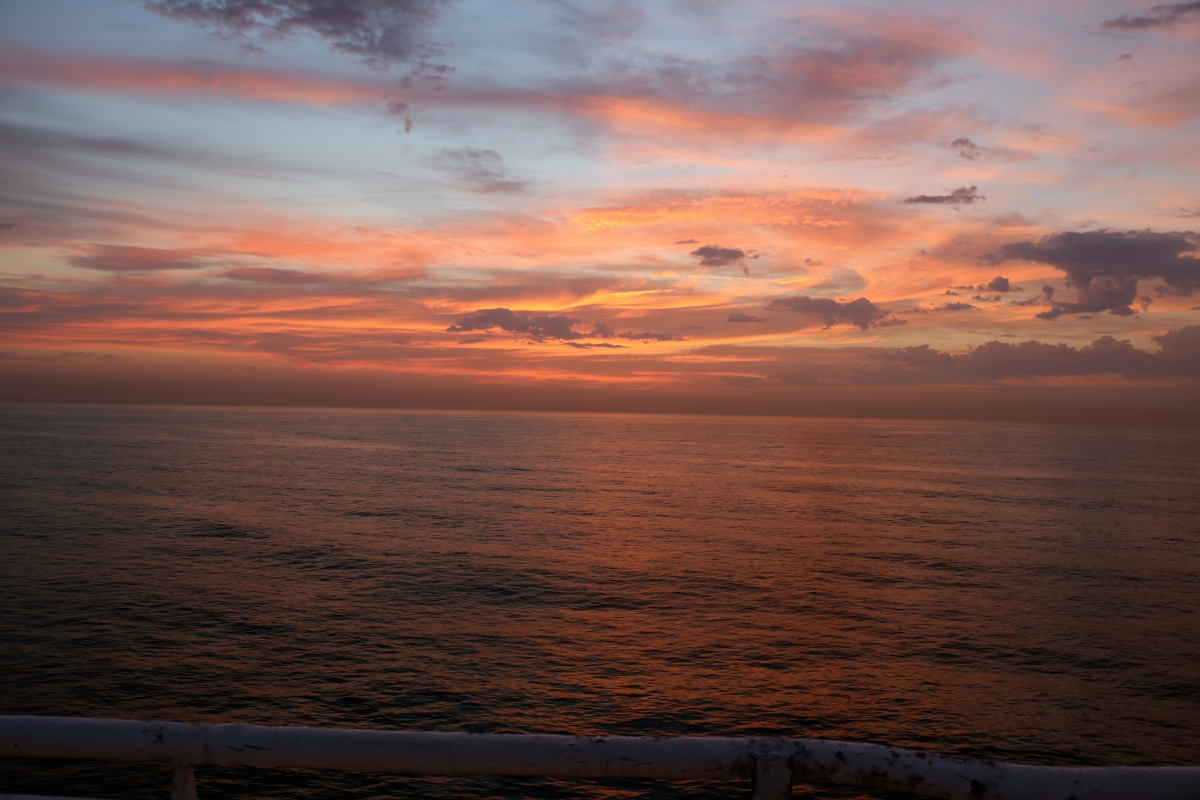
{"points": [[673, 758]]}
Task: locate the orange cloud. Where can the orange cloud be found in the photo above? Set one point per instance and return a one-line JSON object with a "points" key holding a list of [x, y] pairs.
{"points": [[157, 78], [641, 116], [311, 289]]}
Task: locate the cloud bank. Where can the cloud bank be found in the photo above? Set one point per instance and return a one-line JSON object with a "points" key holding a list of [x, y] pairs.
{"points": [[1179, 356], [994, 362]]}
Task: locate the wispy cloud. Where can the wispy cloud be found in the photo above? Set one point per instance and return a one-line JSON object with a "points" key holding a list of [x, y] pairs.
{"points": [[161, 78], [1167, 15], [479, 170], [538, 327], [964, 195], [380, 32], [120, 258]]}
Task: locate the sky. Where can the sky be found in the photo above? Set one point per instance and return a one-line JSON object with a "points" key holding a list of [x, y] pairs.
{"points": [[980, 210]]}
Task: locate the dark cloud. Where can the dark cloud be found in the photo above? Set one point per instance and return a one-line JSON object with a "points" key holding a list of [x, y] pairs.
{"points": [[861, 312], [712, 255], [964, 195], [1179, 357], [966, 149], [380, 32], [744, 318], [119, 258], [687, 241], [957, 307], [600, 329], [86, 354], [996, 284], [590, 345], [606, 332], [1180, 353], [996, 360], [646, 336], [1104, 266], [7, 226], [480, 170], [1001, 360], [1161, 16], [287, 277], [537, 328]]}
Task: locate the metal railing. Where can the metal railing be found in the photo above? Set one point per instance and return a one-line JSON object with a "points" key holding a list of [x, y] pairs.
{"points": [[772, 765]]}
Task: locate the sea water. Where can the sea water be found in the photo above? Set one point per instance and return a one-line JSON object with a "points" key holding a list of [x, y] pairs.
{"points": [[1020, 592]]}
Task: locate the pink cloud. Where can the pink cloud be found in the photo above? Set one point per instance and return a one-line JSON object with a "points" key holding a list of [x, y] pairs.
{"points": [[158, 78]]}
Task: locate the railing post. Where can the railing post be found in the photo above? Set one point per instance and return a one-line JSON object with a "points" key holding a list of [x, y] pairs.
{"points": [[183, 784], [772, 779]]}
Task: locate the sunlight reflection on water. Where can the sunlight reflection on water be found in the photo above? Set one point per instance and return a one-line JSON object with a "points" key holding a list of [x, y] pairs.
{"points": [[1006, 591]]}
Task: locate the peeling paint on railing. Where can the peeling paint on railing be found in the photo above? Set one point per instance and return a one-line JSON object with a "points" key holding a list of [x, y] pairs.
{"points": [[771, 764]]}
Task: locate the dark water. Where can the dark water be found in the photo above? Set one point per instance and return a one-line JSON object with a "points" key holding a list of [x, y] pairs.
{"points": [[1027, 593]]}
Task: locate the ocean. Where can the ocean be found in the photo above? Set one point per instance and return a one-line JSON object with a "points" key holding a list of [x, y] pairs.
{"points": [[1020, 592]]}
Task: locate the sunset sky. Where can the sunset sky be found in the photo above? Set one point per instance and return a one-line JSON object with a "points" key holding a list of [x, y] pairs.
{"points": [[692, 205]]}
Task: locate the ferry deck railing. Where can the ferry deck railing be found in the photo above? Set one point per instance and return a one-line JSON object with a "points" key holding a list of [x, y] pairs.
{"points": [[772, 765]]}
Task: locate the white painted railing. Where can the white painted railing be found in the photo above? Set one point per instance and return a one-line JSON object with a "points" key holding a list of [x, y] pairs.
{"points": [[770, 764]]}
